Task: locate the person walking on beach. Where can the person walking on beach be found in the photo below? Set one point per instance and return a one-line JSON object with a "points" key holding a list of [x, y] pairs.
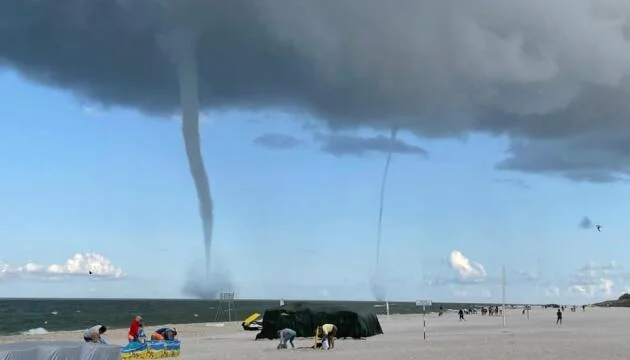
{"points": [[559, 317], [286, 335], [93, 334], [461, 315]]}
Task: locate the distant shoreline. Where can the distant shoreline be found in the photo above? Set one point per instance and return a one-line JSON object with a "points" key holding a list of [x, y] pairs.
{"points": [[474, 303], [19, 315]]}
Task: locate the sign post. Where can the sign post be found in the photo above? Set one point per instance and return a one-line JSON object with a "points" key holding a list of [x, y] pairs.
{"points": [[424, 304], [226, 298]]}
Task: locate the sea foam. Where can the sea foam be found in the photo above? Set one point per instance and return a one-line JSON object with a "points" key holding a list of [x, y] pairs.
{"points": [[37, 331]]}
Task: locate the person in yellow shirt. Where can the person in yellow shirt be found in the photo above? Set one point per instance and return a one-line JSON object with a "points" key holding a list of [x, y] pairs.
{"points": [[329, 331]]}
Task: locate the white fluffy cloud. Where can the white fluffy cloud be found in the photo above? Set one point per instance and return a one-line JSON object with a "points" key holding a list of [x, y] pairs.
{"points": [[466, 269], [80, 264], [552, 291], [601, 286], [594, 279], [459, 292], [471, 291], [594, 266], [526, 275]]}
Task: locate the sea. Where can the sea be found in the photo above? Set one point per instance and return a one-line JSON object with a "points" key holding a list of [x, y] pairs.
{"points": [[36, 316]]}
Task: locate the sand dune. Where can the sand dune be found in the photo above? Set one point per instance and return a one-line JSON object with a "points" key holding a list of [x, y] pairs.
{"points": [[598, 333]]}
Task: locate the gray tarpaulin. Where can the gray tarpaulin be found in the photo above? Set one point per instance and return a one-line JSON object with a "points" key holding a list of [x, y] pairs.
{"points": [[58, 350]]}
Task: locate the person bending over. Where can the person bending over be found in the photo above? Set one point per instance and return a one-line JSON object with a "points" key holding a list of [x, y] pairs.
{"points": [[329, 331], [93, 334], [286, 335], [164, 334]]}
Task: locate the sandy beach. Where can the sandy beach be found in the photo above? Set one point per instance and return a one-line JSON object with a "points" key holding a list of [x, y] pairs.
{"points": [[598, 333]]}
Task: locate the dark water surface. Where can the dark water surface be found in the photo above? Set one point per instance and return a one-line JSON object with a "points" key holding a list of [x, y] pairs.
{"points": [[19, 315]]}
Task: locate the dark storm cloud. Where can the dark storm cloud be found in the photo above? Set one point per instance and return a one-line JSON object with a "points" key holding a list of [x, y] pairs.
{"points": [[341, 145], [550, 75], [278, 141]]}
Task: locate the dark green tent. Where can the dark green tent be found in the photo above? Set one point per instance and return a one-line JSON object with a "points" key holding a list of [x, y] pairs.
{"points": [[305, 319]]}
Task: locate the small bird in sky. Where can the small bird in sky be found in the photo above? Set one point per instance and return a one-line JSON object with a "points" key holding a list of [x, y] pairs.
{"points": [[599, 228]]}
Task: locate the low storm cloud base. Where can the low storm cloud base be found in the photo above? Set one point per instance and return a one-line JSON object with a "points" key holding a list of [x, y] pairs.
{"points": [[551, 76]]}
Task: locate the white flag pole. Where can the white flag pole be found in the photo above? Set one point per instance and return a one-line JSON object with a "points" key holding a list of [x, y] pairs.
{"points": [[503, 288]]}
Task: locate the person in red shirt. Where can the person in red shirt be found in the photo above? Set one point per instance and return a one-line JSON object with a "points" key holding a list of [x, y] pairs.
{"points": [[135, 329]]}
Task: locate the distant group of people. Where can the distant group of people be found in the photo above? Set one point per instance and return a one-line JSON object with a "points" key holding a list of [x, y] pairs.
{"points": [[135, 334], [497, 311], [491, 311], [328, 332]]}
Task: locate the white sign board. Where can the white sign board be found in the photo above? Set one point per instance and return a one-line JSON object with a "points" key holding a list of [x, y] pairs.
{"points": [[423, 302]]}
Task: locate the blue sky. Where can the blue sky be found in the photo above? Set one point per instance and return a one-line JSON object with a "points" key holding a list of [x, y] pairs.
{"points": [[298, 223]]}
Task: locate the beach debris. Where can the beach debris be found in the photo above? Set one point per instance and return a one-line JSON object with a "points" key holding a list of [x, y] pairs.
{"points": [[253, 322], [215, 324]]}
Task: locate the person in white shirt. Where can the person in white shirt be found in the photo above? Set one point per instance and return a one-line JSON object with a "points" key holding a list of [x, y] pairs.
{"points": [[93, 334]]}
